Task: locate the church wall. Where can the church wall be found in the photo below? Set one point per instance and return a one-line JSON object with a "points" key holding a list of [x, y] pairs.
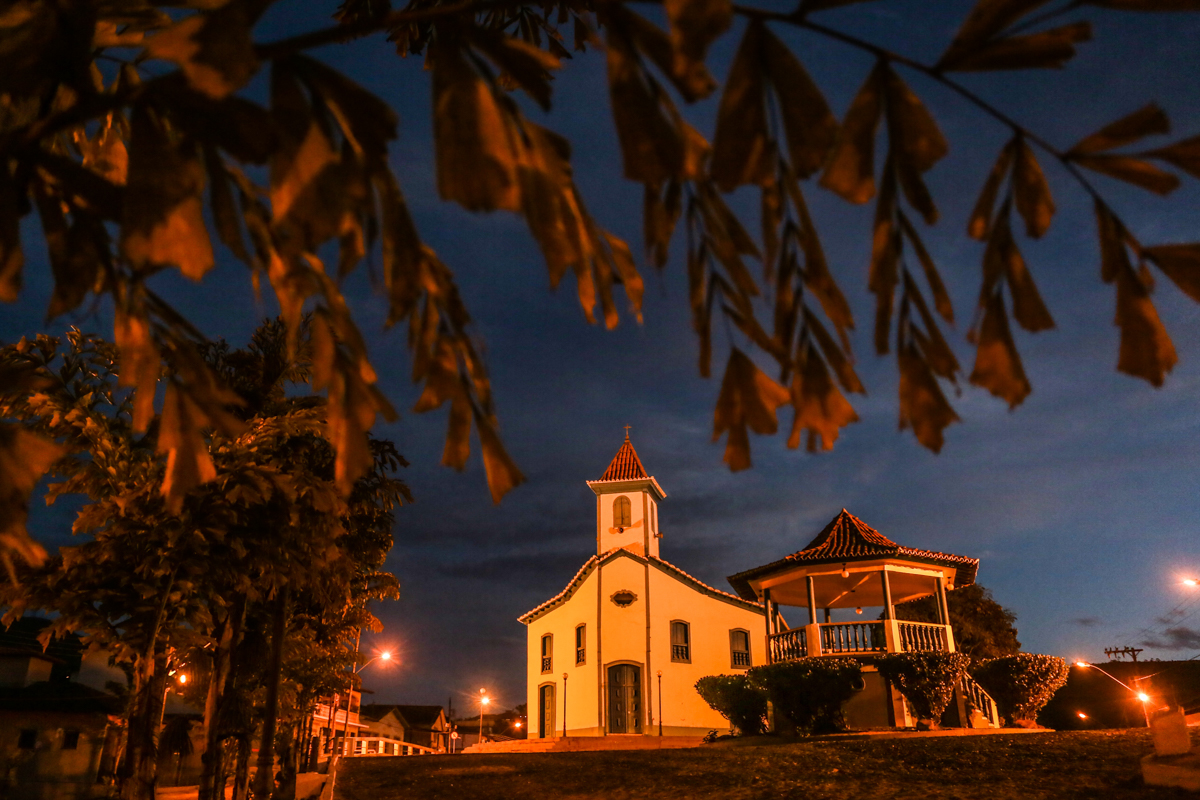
{"points": [[710, 621], [582, 687]]}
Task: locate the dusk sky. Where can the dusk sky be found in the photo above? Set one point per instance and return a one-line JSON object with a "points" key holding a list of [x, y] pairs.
{"points": [[1081, 504]]}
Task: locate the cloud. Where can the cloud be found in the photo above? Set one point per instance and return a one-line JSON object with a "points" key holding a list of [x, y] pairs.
{"points": [[1180, 638], [1086, 622]]}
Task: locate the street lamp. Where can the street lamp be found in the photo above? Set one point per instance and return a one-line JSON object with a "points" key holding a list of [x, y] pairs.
{"points": [[386, 655], [1190, 582], [1145, 698], [483, 702]]}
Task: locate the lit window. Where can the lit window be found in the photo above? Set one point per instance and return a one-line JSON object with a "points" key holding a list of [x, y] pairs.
{"points": [[681, 641], [548, 653], [739, 646], [621, 512], [580, 644]]}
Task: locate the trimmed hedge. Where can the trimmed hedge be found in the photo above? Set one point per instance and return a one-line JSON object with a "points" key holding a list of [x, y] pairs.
{"points": [[733, 698], [1021, 684], [811, 691], [926, 680]]}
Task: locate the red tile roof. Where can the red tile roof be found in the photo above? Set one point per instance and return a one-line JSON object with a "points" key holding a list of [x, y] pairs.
{"points": [[848, 538], [625, 466]]}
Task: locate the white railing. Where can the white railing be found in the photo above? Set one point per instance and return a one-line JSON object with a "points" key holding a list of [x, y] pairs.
{"points": [[378, 746], [922, 637]]}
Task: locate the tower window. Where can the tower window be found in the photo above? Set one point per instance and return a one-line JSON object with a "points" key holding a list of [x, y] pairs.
{"points": [[621, 512], [548, 653], [739, 648], [681, 641]]}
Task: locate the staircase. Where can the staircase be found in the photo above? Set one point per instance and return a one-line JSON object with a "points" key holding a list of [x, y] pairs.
{"points": [[576, 744], [982, 703]]}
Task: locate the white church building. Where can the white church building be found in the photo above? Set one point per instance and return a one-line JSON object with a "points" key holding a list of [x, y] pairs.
{"points": [[619, 650]]}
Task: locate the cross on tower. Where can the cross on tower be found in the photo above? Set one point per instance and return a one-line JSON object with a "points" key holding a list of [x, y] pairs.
{"points": [[627, 427]]}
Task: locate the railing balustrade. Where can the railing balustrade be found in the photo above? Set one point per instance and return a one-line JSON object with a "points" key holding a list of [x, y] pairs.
{"points": [[853, 637], [980, 700], [788, 646], [547, 662], [921, 637]]}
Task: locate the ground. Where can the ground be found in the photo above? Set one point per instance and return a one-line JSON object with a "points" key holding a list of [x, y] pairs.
{"points": [[1086, 764]]}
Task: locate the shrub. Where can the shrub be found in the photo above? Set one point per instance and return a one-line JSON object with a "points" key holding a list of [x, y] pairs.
{"points": [[1021, 684], [810, 692], [736, 700], [926, 680]]}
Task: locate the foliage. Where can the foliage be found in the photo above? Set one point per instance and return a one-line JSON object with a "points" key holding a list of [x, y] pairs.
{"points": [[810, 691], [118, 122], [982, 627], [1021, 684], [926, 680], [736, 700]]}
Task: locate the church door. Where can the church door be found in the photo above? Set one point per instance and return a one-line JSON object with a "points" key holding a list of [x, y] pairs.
{"points": [[624, 699], [546, 711]]}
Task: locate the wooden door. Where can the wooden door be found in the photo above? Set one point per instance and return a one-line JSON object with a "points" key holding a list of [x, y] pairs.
{"points": [[624, 699], [545, 712]]}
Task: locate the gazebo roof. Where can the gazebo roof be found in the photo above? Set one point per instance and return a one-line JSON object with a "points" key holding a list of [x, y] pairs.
{"points": [[847, 538]]}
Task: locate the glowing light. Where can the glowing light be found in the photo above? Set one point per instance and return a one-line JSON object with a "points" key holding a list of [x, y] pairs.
{"points": [[1082, 664], [1081, 715], [858, 610], [517, 724], [485, 700], [183, 678], [1190, 582], [1145, 698], [845, 572], [386, 655]]}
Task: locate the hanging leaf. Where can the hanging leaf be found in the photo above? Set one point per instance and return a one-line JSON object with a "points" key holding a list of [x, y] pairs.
{"points": [[741, 152], [11, 257], [809, 125], [820, 408], [1184, 154], [224, 208], [1031, 192], [817, 276], [214, 49], [1180, 263], [140, 363], [475, 162], [1131, 170], [1003, 257], [695, 25], [885, 258], [1113, 258], [1049, 49], [981, 216], [923, 406], [850, 170], [933, 345], [181, 439], [163, 215], [24, 459], [1144, 122], [941, 298], [997, 364], [748, 399], [917, 139], [502, 472], [838, 361], [987, 19], [1146, 350]]}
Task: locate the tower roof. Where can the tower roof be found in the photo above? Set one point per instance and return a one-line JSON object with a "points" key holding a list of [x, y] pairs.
{"points": [[625, 466]]}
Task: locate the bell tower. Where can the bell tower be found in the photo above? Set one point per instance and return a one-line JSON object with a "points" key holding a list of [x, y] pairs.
{"points": [[627, 505]]}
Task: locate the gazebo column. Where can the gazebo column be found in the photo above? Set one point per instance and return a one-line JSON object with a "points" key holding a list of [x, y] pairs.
{"points": [[812, 631], [891, 628], [770, 622], [944, 614]]}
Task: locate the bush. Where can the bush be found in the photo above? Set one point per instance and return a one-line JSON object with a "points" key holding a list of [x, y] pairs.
{"points": [[810, 692], [926, 680], [1021, 684], [733, 698]]}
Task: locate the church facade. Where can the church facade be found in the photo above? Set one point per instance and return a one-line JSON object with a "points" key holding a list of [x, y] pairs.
{"points": [[619, 650]]}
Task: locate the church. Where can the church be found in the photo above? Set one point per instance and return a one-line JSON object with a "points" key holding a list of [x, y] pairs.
{"points": [[620, 649]]}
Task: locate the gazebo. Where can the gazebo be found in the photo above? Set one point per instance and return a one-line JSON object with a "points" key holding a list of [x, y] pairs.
{"points": [[850, 565]]}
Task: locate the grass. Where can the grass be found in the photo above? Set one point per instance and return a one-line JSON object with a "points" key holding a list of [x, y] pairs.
{"points": [[1081, 764]]}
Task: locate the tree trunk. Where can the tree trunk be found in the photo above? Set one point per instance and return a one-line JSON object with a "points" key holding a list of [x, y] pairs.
{"points": [[241, 778], [264, 777], [211, 785], [287, 765]]}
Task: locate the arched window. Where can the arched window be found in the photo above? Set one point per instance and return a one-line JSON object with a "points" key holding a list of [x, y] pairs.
{"points": [[621, 508], [739, 648], [548, 653], [681, 641]]}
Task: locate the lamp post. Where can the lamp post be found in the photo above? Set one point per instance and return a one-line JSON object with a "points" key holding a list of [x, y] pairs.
{"points": [[1140, 695], [483, 701], [386, 655], [564, 705], [660, 703]]}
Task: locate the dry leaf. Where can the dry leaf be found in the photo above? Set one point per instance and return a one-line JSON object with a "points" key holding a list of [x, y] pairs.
{"points": [[1031, 192], [1131, 170], [1184, 154], [1144, 122], [941, 297], [987, 19], [181, 439], [1045, 49], [741, 152], [923, 406], [850, 171], [1180, 263], [748, 399], [885, 259], [1146, 349], [696, 24], [997, 364], [139, 365], [819, 407], [981, 216], [809, 126], [1003, 257], [24, 459], [214, 49], [502, 472], [916, 138]]}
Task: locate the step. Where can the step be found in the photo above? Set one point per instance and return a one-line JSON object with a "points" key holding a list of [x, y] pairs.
{"points": [[576, 744]]}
